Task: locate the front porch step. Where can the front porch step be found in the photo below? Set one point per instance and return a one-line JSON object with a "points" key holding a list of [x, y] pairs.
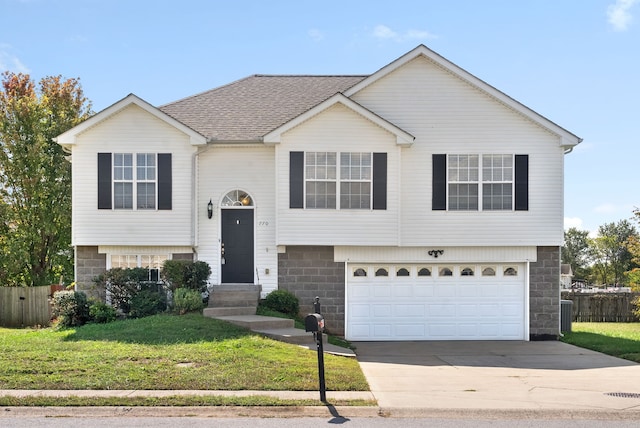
{"points": [[228, 311], [257, 322]]}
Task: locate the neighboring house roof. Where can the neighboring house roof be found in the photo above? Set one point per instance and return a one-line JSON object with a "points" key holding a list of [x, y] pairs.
{"points": [[69, 138], [248, 109], [565, 269]]}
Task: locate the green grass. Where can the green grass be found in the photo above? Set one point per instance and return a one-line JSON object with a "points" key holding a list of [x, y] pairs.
{"points": [[175, 400], [165, 352], [621, 340]]}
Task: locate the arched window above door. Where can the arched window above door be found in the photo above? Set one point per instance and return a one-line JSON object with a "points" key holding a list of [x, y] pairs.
{"points": [[237, 198]]}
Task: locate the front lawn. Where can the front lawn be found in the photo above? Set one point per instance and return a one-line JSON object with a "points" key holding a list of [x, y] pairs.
{"points": [[621, 340], [165, 352]]}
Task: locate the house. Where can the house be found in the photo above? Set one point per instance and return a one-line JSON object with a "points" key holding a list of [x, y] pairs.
{"points": [[418, 202], [566, 276]]}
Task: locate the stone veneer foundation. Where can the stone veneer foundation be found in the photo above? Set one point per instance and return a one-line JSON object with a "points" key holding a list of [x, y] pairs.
{"points": [[89, 264], [309, 271], [544, 295]]}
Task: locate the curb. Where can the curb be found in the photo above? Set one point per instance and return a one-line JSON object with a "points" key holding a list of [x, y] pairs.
{"points": [[340, 412]]}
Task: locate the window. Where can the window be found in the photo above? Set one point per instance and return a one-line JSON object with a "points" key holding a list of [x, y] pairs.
{"points": [[146, 181], [403, 272], [237, 198], [338, 180], [355, 180], [382, 272], [466, 272], [424, 272], [488, 271], [511, 271], [445, 271], [140, 181], [497, 182], [359, 272], [128, 261], [320, 178], [463, 182], [123, 181], [480, 182]]}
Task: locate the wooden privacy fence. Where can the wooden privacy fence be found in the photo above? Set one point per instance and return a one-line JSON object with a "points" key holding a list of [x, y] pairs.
{"points": [[601, 307], [25, 306]]}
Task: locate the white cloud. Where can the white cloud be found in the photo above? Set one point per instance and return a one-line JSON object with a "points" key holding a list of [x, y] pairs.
{"points": [[606, 208], [618, 14], [570, 222], [315, 34], [383, 32], [10, 62]]}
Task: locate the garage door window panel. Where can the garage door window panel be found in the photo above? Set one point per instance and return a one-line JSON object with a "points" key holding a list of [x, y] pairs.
{"points": [[382, 272], [424, 271], [403, 272], [467, 271], [488, 271], [359, 272], [511, 271], [445, 272]]}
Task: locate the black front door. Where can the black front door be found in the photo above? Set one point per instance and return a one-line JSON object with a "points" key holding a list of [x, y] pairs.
{"points": [[237, 246]]}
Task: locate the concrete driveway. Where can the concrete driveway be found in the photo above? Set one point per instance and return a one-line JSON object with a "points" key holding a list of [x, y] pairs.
{"points": [[497, 376]]}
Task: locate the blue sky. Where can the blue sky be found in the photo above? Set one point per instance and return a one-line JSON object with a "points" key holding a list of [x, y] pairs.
{"points": [[576, 62]]}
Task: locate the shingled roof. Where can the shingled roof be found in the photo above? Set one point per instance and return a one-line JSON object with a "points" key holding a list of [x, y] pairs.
{"points": [[247, 109]]}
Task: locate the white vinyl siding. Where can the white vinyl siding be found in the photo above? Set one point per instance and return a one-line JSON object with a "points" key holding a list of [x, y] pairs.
{"points": [[340, 130], [132, 129], [251, 169], [448, 115]]}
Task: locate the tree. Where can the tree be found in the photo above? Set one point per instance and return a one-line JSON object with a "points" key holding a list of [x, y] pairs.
{"points": [[35, 177], [575, 251], [633, 245], [611, 255]]}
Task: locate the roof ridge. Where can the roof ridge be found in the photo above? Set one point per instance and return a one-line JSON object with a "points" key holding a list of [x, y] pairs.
{"points": [[310, 75]]}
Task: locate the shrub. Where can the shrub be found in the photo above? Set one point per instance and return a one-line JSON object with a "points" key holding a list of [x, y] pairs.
{"points": [[146, 302], [70, 308], [101, 313], [186, 274], [636, 307], [282, 301], [185, 300], [131, 292]]}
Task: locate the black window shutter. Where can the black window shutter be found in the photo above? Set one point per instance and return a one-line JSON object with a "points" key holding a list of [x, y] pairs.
{"points": [[522, 182], [104, 181], [164, 181], [439, 183], [379, 181], [296, 180]]}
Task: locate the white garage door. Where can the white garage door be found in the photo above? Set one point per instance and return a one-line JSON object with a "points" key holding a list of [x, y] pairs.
{"points": [[435, 302]]}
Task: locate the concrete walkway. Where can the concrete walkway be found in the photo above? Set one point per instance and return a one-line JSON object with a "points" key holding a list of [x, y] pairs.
{"points": [[497, 376]]}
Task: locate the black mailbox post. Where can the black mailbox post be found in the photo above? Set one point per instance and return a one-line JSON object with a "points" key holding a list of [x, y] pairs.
{"points": [[315, 323]]}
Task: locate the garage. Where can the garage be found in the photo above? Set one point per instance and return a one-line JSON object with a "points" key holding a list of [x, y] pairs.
{"points": [[435, 302]]}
